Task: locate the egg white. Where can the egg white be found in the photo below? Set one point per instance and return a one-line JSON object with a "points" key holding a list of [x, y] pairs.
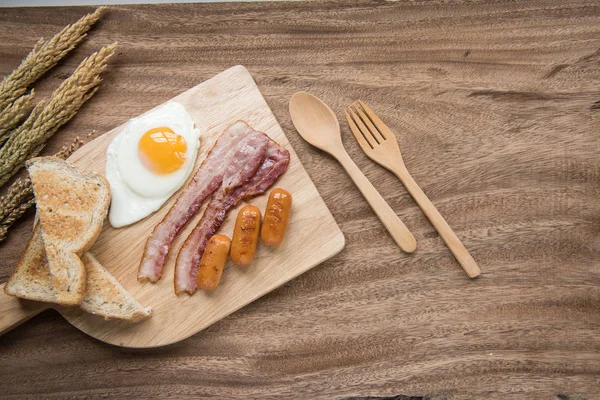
{"points": [[136, 191]]}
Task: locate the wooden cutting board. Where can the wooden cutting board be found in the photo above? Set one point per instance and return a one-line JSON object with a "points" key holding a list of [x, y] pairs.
{"points": [[313, 235]]}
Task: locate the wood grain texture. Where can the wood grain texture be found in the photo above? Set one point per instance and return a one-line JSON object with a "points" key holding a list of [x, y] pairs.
{"points": [[491, 102]]}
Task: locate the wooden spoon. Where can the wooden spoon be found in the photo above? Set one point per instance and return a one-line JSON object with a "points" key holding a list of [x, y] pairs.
{"points": [[318, 125]]}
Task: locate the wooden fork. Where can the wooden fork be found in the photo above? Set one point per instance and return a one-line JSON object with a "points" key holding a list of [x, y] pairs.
{"points": [[380, 144]]}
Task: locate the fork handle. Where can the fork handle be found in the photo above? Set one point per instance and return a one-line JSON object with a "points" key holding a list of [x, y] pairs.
{"points": [[452, 241], [399, 232]]}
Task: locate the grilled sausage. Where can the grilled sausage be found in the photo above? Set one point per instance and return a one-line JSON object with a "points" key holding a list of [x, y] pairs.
{"points": [[245, 235], [213, 262], [276, 217]]}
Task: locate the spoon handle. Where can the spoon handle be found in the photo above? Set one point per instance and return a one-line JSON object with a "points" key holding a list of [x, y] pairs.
{"points": [[399, 232]]}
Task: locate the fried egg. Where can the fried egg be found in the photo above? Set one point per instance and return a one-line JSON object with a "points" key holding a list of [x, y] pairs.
{"points": [[149, 161]]}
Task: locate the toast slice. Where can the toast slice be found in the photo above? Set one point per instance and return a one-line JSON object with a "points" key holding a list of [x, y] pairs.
{"points": [[71, 206], [104, 295], [31, 278]]}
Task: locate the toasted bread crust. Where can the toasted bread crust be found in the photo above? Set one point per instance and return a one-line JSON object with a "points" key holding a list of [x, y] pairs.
{"points": [[32, 280], [64, 189], [72, 206], [106, 297]]}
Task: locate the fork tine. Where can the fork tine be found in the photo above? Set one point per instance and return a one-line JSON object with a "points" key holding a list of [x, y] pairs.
{"points": [[363, 129], [383, 129], [362, 140], [376, 134]]}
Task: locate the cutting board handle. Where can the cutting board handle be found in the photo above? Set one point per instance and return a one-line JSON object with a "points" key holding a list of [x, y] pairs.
{"points": [[14, 311]]}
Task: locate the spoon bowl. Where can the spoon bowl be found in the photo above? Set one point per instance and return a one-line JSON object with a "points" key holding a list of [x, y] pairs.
{"points": [[316, 122]]}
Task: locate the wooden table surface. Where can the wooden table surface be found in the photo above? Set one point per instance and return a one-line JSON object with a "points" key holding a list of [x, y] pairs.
{"points": [[491, 104]]}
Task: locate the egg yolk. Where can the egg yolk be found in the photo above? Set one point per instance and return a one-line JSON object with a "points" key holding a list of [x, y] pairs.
{"points": [[162, 151]]}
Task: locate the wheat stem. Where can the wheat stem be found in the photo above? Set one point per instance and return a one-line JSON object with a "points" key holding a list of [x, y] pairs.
{"points": [[13, 115], [19, 191], [50, 114], [13, 217], [42, 58]]}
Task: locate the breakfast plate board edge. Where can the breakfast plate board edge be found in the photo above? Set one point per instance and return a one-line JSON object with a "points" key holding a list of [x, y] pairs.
{"points": [[313, 235]]}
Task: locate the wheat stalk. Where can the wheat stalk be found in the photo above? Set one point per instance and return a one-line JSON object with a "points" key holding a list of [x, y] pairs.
{"points": [[19, 192], [13, 217], [19, 197], [13, 115], [42, 58], [50, 114]]}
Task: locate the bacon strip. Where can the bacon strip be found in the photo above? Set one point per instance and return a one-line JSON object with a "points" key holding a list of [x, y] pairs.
{"points": [[273, 166], [238, 138]]}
